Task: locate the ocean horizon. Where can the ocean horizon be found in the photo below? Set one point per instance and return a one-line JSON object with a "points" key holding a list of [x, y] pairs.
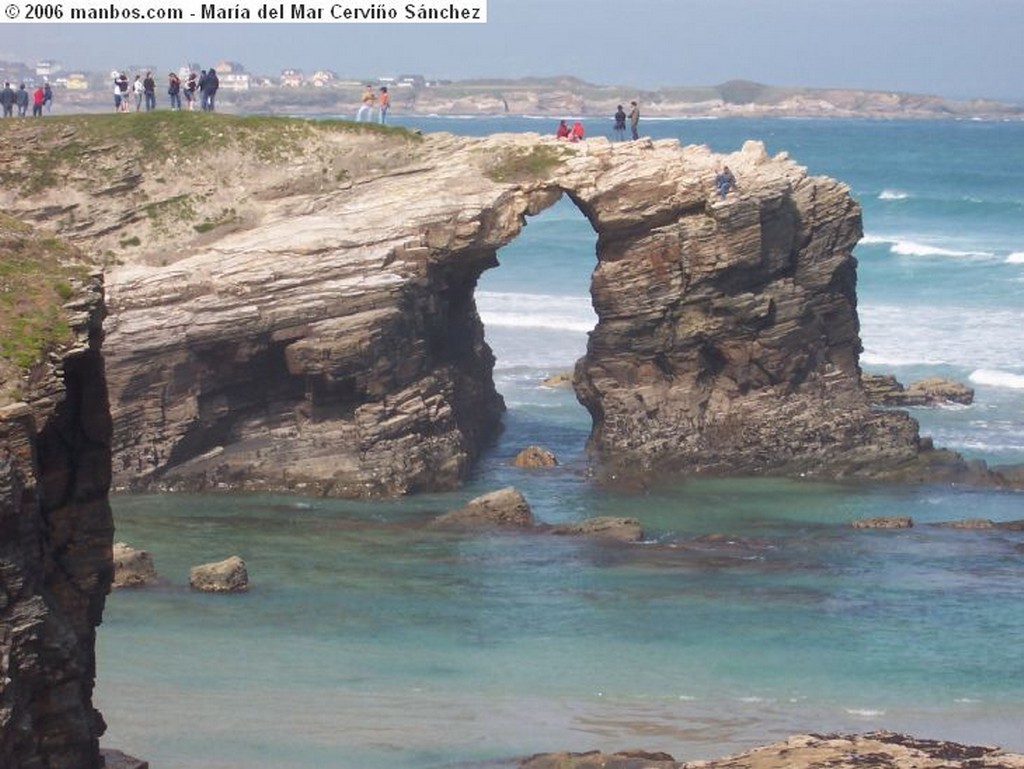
{"points": [[753, 609]]}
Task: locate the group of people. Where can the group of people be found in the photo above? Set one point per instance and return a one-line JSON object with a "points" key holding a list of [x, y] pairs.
{"points": [[201, 89], [381, 100], [725, 180], [575, 133], [41, 98], [634, 121]]}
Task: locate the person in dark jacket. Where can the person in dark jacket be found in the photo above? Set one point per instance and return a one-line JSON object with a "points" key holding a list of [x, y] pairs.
{"points": [[7, 100], [149, 90], [208, 89], [174, 90], [22, 100]]}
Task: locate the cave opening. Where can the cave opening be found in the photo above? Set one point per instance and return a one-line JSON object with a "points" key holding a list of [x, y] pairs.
{"points": [[537, 314]]}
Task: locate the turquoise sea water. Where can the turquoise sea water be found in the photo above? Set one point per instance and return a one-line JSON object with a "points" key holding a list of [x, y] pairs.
{"points": [[752, 612]]}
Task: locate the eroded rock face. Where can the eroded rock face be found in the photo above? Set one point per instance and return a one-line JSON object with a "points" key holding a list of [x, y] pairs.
{"points": [[55, 554], [329, 341]]}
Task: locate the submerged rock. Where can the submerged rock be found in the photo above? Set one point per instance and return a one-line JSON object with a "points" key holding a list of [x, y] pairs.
{"points": [[968, 523], [227, 576], [563, 379], [884, 522], [603, 527]]}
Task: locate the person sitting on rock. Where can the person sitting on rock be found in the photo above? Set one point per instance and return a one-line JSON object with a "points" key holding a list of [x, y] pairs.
{"points": [[563, 130], [577, 132], [725, 181]]}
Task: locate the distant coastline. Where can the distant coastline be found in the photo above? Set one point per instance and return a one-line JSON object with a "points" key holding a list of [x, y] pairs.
{"points": [[569, 96]]}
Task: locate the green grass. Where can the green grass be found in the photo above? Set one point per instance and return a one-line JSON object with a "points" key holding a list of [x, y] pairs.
{"points": [[35, 282], [520, 164], [51, 150]]}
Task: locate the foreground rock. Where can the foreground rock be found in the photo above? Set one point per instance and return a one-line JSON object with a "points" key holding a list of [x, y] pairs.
{"points": [[227, 576], [877, 749], [132, 568], [504, 508]]}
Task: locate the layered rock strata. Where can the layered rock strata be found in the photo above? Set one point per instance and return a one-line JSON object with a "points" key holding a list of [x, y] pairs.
{"points": [[55, 552], [321, 334]]}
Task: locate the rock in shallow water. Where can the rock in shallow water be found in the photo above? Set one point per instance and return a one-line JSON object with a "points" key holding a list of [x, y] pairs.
{"points": [[132, 568], [227, 576], [504, 508]]}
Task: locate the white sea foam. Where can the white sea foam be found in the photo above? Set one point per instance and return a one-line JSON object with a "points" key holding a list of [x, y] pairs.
{"points": [[914, 248], [893, 195], [996, 378], [1017, 257], [865, 712], [903, 245], [967, 337], [515, 310]]}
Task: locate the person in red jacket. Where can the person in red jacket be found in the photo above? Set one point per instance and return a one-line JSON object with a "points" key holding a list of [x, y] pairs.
{"points": [[577, 132], [37, 102]]}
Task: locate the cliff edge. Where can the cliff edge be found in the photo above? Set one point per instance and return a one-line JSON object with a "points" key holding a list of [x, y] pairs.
{"points": [[292, 302], [55, 521]]}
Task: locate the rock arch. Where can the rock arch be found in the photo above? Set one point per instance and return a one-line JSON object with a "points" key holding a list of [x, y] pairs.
{"points": [[335, 346]]}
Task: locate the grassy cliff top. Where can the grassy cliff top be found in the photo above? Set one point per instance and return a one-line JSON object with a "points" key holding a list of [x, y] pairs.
{"points": [[39, 154], [37, 273]]}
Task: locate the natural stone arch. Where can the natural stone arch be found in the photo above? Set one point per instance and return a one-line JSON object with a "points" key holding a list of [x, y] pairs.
{"points": [[334, 347]]}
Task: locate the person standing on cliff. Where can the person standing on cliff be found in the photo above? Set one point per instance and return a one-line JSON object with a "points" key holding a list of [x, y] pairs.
{"points": [[7, 99], [384, 104], [208, 90], [149, 89], [22, 101], [174, 90], [634, 119], [367, 107], [122, 87], [37, 102], [620, 124], [138, 90]]}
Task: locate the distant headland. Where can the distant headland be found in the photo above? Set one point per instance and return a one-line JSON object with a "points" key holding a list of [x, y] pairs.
{"points": [[325, 92]]}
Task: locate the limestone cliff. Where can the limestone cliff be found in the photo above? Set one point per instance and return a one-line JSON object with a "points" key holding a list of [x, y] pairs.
{"points": [[55, 545], [292, 303]]}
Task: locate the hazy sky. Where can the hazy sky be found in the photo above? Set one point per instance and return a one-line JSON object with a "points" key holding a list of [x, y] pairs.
{"points": [[957, 48]]}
